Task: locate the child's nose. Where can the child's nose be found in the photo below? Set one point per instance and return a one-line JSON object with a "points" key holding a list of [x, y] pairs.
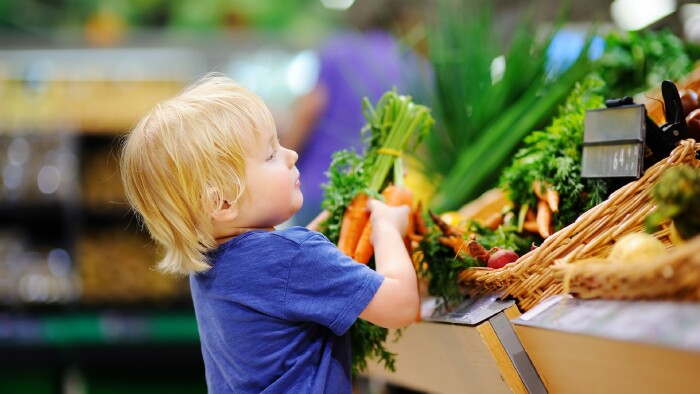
{"points": [[293, 156]]}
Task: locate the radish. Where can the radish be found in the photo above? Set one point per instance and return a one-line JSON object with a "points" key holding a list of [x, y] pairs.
{"points": [[501, 257]]}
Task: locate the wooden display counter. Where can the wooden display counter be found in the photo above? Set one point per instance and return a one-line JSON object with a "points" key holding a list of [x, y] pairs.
{"points": [[472, 350], [598, 346]]}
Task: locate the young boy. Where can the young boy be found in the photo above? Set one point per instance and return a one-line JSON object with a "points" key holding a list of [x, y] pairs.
{"points": [[207, 175]]}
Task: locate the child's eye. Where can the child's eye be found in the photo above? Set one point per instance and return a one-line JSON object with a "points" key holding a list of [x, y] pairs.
{"points": [[272, 156]]}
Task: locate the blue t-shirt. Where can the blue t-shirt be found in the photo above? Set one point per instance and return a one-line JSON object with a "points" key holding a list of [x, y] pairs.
{"points": [[274, 310]]}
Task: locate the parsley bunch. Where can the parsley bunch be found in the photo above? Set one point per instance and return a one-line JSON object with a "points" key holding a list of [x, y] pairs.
{"points": [[554, 155]]}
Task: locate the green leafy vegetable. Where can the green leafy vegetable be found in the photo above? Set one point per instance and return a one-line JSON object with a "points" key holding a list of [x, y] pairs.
{"points": [[553, 155], [367, 342], [677, 195], [440, 267], [638, 60]]}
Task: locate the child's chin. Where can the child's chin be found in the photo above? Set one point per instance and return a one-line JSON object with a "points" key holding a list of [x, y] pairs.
{"points": [[289, 216], [298, 206]]}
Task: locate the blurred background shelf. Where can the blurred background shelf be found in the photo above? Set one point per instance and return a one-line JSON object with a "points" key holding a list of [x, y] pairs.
{"points": [[103, 350], [103, 326], [89, 90]]}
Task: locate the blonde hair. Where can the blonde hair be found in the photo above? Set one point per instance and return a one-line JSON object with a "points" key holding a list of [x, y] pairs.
{"points": [[184, 158]]}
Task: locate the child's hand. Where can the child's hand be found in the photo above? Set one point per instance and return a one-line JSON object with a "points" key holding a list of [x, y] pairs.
{"points": [[383, 216]]}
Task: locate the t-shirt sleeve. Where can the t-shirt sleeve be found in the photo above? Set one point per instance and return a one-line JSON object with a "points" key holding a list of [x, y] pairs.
{"points": [[327, 287]]}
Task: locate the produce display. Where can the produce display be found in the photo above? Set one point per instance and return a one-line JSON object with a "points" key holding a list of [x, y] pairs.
{"points": [[544, 180], [543, 184], [528, 215]]}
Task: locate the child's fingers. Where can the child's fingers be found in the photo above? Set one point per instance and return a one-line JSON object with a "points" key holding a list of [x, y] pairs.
{"points": [[375, 205], [372, 204]]}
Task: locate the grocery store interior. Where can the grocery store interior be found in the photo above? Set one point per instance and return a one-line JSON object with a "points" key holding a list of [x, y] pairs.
{"points": [[516, 93]]}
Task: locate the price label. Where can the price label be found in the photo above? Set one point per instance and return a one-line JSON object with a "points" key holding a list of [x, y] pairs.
{"points": [[613, 142], [624, 160]]}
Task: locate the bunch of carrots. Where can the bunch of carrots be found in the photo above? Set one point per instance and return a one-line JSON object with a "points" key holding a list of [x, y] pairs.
{"points": [[395, 126], [356, 230]]}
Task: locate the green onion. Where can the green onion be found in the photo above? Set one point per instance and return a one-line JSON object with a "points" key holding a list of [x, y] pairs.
{"points": [[396, 125]]}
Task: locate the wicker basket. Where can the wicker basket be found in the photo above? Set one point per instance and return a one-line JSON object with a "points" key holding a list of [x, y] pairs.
{"points": [[674, 276], [531, 277]]}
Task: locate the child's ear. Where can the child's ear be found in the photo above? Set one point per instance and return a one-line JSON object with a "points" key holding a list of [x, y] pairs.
{"points": [[225, 213]]}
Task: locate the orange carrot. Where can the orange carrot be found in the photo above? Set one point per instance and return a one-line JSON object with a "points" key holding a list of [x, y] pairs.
{"points": [[364, 249], [394, 196], [456, 243], [354, 221], [544, 218], [494, 220], [447, 229], [420, 227], [530, 226], [411, 228], [539, 189], [552, 199], [477, 250], [546, 192]]}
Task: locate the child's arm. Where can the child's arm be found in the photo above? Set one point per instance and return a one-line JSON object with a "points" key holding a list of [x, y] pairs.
{"points": [[396, 303]]}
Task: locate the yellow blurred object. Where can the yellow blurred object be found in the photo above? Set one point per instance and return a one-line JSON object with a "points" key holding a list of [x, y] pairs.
{"points": [[90, 106], [105, 28], [482, 210], [453, 218], [674, 236], [422, 187]]}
